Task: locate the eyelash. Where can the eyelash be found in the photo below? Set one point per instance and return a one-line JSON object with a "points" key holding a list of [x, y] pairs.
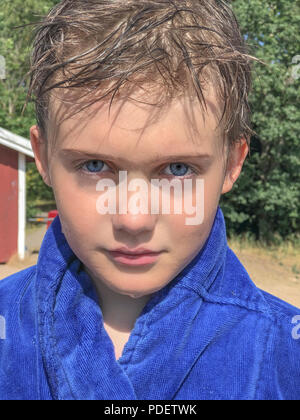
{"points": [[80, 168]]}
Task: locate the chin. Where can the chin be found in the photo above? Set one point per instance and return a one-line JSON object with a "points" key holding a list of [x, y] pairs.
{"points": [[137, 293]]}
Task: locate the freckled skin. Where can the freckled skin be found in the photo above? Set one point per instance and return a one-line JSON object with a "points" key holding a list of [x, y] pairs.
{"points": [[125, 134]]}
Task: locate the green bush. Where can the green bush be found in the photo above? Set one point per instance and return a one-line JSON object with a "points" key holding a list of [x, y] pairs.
{"points": [[265, 200]]}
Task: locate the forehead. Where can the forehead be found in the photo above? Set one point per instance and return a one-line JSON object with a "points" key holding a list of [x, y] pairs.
{"points": [[130, 125]]}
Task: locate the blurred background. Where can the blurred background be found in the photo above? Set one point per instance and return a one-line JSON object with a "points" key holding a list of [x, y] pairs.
{"points": [[262, 211]]}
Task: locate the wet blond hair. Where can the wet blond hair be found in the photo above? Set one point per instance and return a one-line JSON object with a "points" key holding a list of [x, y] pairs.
{"points": [[100, 48]]}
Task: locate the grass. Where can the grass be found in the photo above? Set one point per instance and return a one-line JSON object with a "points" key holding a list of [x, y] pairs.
{"points": [[272, 268], [31, 226], [277, 251], [287, 254], [296, 269], [41, 207]]}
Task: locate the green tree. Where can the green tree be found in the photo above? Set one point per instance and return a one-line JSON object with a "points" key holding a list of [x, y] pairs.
{"points": [[15, 48], [265, 200]]}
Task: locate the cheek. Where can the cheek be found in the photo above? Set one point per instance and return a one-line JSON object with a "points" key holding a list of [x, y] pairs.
{"points": [[185, 239], [76, 205], [190, 238], [213, 184]]}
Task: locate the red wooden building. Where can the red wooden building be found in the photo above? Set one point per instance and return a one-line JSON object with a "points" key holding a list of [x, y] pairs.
{"points": [[15, 151]]}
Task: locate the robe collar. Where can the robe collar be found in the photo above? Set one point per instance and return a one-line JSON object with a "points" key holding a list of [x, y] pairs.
{"points": [[77, 352]]}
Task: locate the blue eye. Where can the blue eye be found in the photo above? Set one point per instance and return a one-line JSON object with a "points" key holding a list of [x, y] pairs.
{"points": [[179, 169], [93, 166]]}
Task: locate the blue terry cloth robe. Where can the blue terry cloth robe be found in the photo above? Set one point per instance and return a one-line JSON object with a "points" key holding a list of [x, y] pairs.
{"points": [[209, 334]]}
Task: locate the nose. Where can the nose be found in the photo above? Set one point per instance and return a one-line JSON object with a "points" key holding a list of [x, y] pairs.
{"points": [[134, 223], [136, 218]]}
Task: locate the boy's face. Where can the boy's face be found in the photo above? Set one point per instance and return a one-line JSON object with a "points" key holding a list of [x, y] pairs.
{"points": [[92, 148]]}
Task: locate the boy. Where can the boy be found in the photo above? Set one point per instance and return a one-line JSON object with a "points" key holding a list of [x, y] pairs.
{"points": [[131, 299]]}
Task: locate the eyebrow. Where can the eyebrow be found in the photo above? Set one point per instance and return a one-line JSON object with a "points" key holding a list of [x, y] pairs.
{"points": [[158, 158]]}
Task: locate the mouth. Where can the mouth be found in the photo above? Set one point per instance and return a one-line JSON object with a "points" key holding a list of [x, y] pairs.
{"points": [[139, 257]]}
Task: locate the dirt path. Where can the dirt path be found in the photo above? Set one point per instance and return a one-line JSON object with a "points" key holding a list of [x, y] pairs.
{"points": [[34, 239], [276, 272], [276, 276]]}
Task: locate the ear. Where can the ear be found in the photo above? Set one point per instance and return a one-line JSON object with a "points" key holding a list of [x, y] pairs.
{"points": [[235, 163], [39, 147]]}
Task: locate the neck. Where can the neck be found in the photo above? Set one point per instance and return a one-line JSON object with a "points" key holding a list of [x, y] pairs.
{"points": [[119, 311]]}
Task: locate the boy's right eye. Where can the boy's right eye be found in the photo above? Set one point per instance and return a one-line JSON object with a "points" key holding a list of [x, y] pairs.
{"points": [[93, 166]]}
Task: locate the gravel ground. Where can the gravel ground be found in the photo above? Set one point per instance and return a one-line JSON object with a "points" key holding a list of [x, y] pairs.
{"points": [[34, 239], [274, 276]]}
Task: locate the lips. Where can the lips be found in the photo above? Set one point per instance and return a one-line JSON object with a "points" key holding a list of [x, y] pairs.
{"points": [[138, 256], [135, 251]]}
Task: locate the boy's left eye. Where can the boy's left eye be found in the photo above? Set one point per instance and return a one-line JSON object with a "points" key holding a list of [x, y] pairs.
{"points": [[94, 166], [179, 169]]}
